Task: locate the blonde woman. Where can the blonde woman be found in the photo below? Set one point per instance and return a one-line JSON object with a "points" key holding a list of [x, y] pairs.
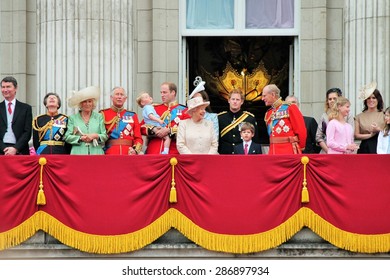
{"points": [[339, 133], [331, 97], [86, 130]]}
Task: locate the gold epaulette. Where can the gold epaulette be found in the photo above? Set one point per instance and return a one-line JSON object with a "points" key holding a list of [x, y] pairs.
{"points": [[104, 110], [221, 113], [249, 113], [36, 118]]}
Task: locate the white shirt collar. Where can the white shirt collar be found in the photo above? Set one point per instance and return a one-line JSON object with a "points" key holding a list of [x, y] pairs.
{"points": [[13, 102], [249, 143]]}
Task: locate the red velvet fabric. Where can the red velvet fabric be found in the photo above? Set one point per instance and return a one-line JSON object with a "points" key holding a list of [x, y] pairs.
{"points": [[227, 194], [18, 189]]}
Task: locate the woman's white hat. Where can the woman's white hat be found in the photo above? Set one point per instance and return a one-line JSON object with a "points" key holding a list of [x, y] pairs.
{"points": [[196, 102], [91, 92], [367, 90], [198, 88]]}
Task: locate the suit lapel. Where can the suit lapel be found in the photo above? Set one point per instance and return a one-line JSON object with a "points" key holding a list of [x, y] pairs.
{"points": [[17, 111], [3, 112], [252, 148]]}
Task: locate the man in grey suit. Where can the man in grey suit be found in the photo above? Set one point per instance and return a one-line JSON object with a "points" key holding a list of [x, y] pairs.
{"points": [[15, 121]]}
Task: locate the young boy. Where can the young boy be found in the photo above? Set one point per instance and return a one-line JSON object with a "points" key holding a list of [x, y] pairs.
{"points": [[247, 147], [151, 118]]}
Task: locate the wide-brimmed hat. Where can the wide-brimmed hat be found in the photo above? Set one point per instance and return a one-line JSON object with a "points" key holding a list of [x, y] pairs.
{"points": [[91, 92], [367, 90], [198, 88], [195, 103]]}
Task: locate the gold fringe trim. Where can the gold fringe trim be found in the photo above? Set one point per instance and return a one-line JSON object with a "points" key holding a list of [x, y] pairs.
{"points": [[18, 234], [238, 244], [361, 243], [104, 244]]}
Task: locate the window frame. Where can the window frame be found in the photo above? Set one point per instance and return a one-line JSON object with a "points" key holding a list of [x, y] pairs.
{"points": [[239, 24], [238, 31]]}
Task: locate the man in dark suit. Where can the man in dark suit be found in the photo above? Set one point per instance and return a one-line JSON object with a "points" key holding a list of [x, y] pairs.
{"points": [[247, 147], [230, 121], [15, 121], [311, 127]]}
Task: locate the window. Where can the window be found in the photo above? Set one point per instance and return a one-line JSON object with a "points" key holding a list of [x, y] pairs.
{"points": [[206, 14], [269, 14], [249, 17], [222, 38]]}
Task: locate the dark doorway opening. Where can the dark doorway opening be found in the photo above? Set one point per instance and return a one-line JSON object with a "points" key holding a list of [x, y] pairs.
{"points": [[248, 63]]}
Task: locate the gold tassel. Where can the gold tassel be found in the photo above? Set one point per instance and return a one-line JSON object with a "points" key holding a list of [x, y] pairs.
{"points": [[305, 191], [41, 199], [173, 194], [305, 195]]}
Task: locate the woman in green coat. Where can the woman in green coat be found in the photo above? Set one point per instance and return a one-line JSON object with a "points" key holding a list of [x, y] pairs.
{"points": [[86, 131]]}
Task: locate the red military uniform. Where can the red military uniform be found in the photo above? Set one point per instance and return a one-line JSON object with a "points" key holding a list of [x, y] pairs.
{"points": [[123, 130], [172, 115], [286, 128]]}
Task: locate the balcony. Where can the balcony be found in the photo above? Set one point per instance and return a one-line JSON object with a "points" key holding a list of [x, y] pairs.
{"points": [[323, 206]]}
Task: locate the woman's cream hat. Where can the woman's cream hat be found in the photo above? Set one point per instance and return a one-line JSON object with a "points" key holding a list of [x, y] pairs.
{"points": [[91, 92], [195, 103], [367, 90]]}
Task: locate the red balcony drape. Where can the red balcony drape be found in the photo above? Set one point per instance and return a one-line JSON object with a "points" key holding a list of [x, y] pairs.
{"points": [[228, 203]]}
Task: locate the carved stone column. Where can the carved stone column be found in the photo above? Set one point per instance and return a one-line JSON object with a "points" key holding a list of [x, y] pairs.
{"points": [[367, 48], [82, 43]]}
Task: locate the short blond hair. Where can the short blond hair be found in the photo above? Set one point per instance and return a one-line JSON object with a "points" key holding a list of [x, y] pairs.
{"points": [[139, 98], [334, 110]]}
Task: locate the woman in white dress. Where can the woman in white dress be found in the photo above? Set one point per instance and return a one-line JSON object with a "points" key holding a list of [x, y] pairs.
{"points": [[196, 135]]}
